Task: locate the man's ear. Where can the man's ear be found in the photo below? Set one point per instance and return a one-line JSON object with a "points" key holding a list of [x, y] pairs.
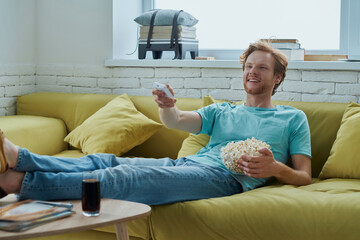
{"points": [[278, 78]]}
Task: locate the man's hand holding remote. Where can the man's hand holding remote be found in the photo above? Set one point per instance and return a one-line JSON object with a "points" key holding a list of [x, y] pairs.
{"points": [[164, 95]]}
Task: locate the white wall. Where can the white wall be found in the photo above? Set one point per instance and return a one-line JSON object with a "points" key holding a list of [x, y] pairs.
{"points": [[17, 51], [17, 31], [74, 31], [61, 45]]}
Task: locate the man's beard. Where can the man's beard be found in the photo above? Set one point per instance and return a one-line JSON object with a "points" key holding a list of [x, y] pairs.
{"points": [[257, 91]]}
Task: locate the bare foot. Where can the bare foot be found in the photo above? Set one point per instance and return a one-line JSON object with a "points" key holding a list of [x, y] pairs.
{"points": [[11, 152], [11, 181]]}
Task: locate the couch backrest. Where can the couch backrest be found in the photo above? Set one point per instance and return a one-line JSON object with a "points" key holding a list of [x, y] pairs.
{"points": [[324, 121], [73, 109]]}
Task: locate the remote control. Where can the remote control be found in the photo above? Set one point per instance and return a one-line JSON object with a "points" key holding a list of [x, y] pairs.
{"points": [[163, 88]]}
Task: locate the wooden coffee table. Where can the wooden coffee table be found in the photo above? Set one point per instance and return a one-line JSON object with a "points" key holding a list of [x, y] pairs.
{"points": [[112, 212]]}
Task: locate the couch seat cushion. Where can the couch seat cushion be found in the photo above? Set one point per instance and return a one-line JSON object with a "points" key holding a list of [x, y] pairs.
{"points": [[324, 210], [334, 186], [139, 228]]}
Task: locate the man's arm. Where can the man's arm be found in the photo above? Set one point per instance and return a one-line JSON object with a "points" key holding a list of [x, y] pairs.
{"points": [[183, 120], [174, 118], [266, 166], [300, 175]]}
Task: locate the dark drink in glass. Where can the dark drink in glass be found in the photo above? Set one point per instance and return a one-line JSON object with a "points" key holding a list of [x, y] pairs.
{"points": [[91, 196]]}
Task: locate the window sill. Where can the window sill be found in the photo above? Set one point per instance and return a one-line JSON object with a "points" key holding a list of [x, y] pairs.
{"points": [[307, 65]]}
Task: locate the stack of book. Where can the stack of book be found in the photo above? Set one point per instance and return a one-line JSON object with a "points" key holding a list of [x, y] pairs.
{"points": [[21, 216], [164, 32], [164, 38], [290, 47]]}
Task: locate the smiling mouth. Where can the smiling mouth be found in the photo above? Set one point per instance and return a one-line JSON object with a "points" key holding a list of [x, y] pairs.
{"points": [[253, 80]]}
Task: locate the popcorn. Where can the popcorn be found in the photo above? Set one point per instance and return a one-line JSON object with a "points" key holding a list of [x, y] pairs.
{"points": [[234, 150]]}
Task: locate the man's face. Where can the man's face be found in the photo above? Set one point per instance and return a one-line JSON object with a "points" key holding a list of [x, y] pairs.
{"points": [[259, 77]]}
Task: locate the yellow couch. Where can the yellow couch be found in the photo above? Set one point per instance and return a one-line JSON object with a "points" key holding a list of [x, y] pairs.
{"points": [[329, 208]]}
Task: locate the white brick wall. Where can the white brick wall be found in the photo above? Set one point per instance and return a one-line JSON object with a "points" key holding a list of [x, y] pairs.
{"points": [[308, 87], [294, 75], [15, 80], [352, 89], [330, 76], [207, 83], [114, 83], [222, 73], [177, 72], [77, 81], [221, 83], [134, 72]]}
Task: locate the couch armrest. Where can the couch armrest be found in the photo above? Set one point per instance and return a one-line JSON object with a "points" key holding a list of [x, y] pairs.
{"points": [[41, 135]]}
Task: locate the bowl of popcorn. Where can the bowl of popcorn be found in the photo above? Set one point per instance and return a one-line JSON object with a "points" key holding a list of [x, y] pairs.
{"points": [[234, 150]]}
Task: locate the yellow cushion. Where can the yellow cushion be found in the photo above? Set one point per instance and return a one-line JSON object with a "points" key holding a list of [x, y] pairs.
{"points": [[115, 128], [171, 137], [343, 161], [193, 143], [41, 135]]}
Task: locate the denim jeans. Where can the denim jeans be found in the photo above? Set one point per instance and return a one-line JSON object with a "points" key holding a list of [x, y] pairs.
{"points": [[146, 180]]}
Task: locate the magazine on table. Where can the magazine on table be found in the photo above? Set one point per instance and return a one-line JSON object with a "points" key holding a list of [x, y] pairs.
{"points": [[27, 214]]}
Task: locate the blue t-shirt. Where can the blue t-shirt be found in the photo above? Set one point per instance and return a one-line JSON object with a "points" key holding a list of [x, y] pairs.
{"points": [[284, 128]]}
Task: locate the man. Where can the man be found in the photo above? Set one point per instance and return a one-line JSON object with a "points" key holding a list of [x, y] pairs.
{"points": [[161, 181]]}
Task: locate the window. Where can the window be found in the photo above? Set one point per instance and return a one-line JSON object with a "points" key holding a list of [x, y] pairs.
{"points": [[227, 27], [236, 23], [321, 26]]}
